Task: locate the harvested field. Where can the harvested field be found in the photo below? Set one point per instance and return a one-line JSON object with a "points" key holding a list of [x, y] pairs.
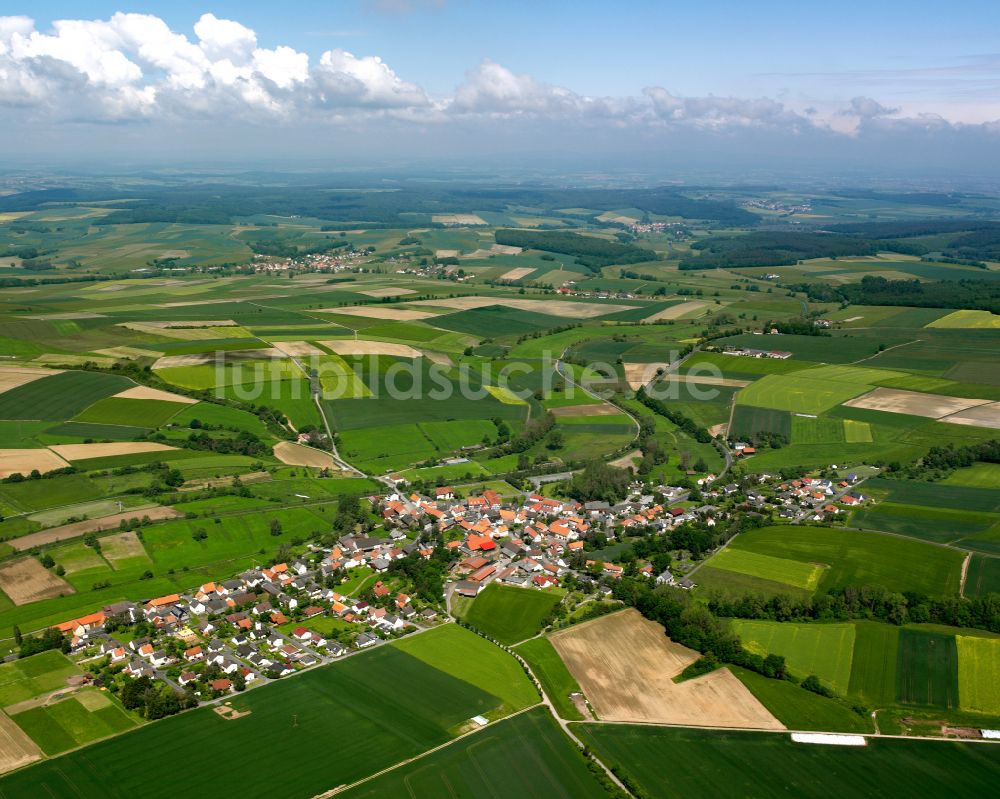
{"points": [[380, 312], [299, 455], [147, 393], [215, 482], [128, 353], [361, 347], [194, 323], [597, 409], [23, 461], [298, 349], [80, 452], [122, 546], [458, 219], [439, 358], [913, 403], [56, 317], [179, 333], [187, 303], [201, 358], [677, 311], [16, 748], [576, 310], [627, 461], [517, 274], [77, 529], [625, 666], [14, 376], [708, 380], [388, 291], [981, 416], [26, 580], [639, 374]]}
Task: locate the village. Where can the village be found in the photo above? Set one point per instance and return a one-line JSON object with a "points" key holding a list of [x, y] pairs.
{"points": [[271, 622]]}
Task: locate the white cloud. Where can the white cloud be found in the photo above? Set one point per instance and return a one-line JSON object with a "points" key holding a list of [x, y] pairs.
{"points": [[134, 67], [343, 79]]}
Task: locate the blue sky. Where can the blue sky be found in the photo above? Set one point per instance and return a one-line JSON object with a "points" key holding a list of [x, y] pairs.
{"points": [[650, 69], [743, 48]]}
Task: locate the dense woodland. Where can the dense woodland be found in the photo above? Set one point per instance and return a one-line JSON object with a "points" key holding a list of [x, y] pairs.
{"points": [[589, 251], [401, 203], [874, 290], [774, 248]]}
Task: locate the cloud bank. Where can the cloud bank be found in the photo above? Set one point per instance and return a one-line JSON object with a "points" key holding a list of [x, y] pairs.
{"points": [[132, 68]]}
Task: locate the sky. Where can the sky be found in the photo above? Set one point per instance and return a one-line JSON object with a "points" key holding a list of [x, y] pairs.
{"points": [[852, 85]]}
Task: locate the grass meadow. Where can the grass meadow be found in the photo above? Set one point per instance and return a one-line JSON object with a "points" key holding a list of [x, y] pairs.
{"points": [[511, 614], [858, 558], [825, 650], [552, 674]]}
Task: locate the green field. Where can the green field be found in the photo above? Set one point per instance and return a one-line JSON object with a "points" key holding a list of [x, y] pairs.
{"points": [[983, 576], [855, 558], [79, 720], [876, 659], [748, 420], [525, 756], [927, 670], [381, 707], [940, 525], [552, 674], [979, 674], [825, 650], [818, 430], [511, 614], [799, 709], [979, 475], [135, 412], [61, 396], [34, 676], [780, 570], [209, 413], [937, 494], [798, 393], [471, 658], [679, 763]]}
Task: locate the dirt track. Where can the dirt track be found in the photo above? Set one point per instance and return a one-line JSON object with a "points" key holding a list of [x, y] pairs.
{"points": [[77, 529], [596, 409]]}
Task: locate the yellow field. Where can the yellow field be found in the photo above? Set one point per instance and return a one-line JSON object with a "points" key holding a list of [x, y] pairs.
{"points": [[505, 395], [856, 432], [979, 673], [967, 319]]}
